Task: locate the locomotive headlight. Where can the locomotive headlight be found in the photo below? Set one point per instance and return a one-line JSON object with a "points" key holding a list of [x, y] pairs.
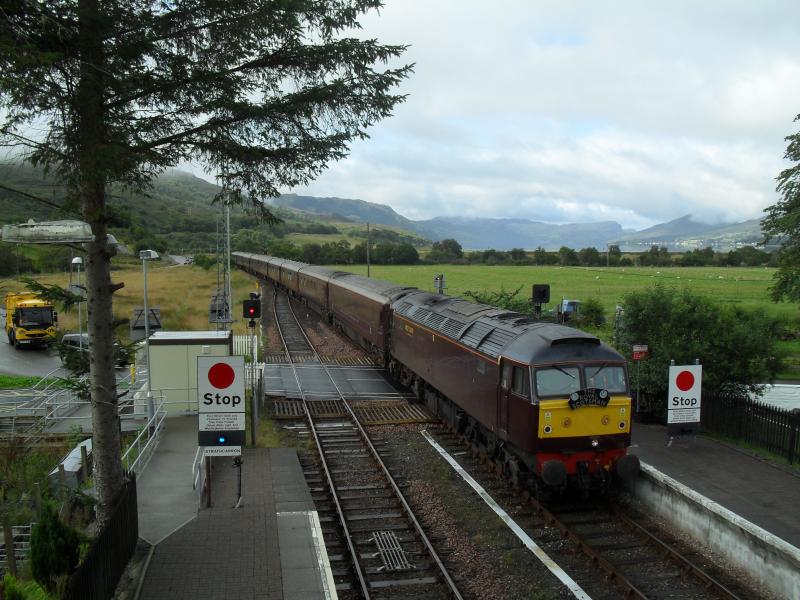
{"points": [[595, 443], [605, 420], [622, 424]]}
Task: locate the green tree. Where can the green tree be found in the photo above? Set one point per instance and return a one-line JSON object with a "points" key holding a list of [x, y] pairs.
{"points": [[263, 93], [655, 257], [567, 257], [736, 347], [405, 254], [54, 548], [517, 254], [783, 224], [445, 251], [589, 257], [614, 255]]}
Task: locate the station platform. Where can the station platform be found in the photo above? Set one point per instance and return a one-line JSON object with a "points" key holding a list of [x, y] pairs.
{"points": [[269, 548], [762, 492]]}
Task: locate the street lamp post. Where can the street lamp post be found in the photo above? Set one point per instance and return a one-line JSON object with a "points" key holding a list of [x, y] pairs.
{"points": [[146, 255], [78, 261]]}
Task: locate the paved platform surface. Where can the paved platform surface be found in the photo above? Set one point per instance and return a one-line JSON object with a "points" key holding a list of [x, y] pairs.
{"points": [[269, 548], [164, 489], [764, 494]]}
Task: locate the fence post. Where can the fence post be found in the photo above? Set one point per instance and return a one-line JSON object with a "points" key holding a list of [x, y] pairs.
{"points": [[37, 497], [795, 423], [8, 538], [84, 462], [62, 477]]}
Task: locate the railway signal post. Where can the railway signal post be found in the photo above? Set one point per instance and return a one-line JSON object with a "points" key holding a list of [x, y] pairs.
{"points": [[251, 310]]}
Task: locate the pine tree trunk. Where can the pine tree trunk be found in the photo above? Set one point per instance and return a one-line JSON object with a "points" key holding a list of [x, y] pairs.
{"points": [[92, 188]]}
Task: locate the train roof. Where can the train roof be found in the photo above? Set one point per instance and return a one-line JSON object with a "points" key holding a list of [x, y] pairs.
{"points": [[375, 289], [289, 265], [498, 332], [320, 272]]}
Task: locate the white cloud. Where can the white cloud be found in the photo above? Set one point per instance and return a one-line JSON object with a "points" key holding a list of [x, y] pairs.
{"points": [[582, 111]]}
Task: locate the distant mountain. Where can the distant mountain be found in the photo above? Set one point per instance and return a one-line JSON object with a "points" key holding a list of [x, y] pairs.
{"points": [[504, 234], [686, 233], [181, 202], [346, 210]]}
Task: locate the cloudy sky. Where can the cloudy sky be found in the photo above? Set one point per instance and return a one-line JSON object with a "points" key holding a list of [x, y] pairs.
{"points": [[563, 111]]}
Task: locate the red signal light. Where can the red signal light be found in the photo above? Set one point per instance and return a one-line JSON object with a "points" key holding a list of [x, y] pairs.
{"points": [[252, 309]]}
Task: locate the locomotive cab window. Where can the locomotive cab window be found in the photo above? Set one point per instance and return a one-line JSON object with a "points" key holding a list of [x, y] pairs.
{"points": [[557, 381], [606, 377], [519, 381], [516, 380]]}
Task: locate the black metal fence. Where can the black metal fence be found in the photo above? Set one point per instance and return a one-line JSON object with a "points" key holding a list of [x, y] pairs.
{"points": [[97, 576], [771, 428]]}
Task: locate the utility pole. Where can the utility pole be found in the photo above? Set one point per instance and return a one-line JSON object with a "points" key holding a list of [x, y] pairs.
{"points": [[369, 243]]}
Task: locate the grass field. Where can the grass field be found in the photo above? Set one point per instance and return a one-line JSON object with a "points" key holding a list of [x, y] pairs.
{"points": [[183, 293], [746, 287]]}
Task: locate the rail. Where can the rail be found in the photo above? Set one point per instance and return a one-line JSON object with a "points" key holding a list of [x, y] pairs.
{"points": [[451, 585]]}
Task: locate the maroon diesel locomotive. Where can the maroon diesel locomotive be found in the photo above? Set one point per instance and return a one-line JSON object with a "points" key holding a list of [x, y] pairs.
{"points": [[548, 402]]}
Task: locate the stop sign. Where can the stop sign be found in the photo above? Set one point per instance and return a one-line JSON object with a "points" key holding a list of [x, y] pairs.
{"points": [[684, 396]]}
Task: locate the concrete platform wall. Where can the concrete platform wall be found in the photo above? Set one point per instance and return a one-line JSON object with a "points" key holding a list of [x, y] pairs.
{"points": [[770, 561]]}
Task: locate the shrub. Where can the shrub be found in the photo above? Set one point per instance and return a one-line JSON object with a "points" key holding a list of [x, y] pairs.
{"points": [[54, 548], [591, 313], [736, 347], [11, 589], [17, 590]]}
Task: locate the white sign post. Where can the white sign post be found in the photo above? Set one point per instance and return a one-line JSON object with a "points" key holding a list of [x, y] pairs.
{"points": [[684, 399], [221, 400]]}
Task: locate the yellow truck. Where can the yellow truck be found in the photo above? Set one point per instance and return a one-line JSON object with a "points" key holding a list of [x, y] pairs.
{"points": [[30, 320]]}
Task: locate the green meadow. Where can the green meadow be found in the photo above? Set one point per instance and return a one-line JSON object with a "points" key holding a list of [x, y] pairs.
{"points": [[747, 287]]}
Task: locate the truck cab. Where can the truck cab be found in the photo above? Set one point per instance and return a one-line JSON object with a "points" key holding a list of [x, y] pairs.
{"points": [[30, 320]]}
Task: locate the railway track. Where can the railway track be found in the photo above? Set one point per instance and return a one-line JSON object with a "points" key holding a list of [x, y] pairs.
{"points": [[641, 561], [376, 545]]}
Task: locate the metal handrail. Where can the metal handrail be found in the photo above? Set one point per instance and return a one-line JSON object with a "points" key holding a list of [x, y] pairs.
{"points": [[151, 431]]}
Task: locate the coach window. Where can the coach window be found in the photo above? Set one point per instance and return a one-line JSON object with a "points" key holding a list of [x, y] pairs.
{"points": [[557, 381]]}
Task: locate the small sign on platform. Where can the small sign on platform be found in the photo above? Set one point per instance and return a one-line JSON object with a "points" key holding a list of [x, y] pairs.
{"points": [[222, 451], [221, 400], [684, 399], [640, 351]]}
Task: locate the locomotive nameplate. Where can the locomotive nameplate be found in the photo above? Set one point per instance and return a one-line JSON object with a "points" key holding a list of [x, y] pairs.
{"points": [[408, 329], [589, 397]]}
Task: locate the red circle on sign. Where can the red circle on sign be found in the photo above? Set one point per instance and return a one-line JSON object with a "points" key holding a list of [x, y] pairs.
{"points": [[221, 376], [685, 381]]}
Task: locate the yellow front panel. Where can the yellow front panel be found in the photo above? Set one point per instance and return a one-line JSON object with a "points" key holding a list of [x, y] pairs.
{"points": [[558, 420]]}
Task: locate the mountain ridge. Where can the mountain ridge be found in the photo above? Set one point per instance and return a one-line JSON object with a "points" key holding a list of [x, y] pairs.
{"points": [[185, 199]]}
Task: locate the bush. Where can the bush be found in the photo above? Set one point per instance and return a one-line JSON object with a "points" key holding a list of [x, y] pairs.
{"points": [[591, 313], [11, 590], [737, 348], [16, 590], [54, 549]]}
